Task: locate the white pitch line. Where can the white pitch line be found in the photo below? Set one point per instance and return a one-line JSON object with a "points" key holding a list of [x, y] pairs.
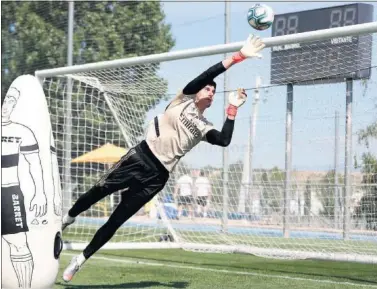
{"points": [[225, 271]]}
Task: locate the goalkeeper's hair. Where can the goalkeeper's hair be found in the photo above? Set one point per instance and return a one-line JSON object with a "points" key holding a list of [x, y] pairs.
{"points": [[213, 83]]}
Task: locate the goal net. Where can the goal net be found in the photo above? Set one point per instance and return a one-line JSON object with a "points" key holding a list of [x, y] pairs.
{"points": [[297, 181]]}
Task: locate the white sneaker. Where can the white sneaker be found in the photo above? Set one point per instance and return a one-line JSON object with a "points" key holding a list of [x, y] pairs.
{"points": [[71, 270], [67, 220]]}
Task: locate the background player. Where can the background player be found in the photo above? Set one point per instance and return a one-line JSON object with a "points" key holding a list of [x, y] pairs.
{"points": [[202, 187], [183, 195]]}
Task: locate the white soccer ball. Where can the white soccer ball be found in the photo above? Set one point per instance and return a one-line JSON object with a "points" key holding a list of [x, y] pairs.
{"points": [[260, 16]]}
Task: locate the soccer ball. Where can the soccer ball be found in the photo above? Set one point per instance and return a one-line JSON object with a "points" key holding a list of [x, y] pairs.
{"points": [[260, 16]]}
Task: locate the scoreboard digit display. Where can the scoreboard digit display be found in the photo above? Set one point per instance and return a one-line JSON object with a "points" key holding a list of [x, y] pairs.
{"points": [[336, 59]]}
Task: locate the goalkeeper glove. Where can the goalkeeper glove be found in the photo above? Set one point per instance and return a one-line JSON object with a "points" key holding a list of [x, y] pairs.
{"points": [[236, 100], [250, 49]]}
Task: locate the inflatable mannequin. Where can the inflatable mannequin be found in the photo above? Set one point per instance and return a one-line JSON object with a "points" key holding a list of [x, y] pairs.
{"points": [[30, 189]]}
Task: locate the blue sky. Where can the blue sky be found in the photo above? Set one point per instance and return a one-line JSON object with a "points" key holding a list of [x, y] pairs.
{"points": [[198, 24]]}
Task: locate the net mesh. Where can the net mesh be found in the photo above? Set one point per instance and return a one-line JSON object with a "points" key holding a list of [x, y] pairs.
{"points": [[246, 212]]}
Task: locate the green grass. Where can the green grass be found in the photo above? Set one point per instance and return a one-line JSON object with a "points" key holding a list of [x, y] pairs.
{"points": [[155, 269]]}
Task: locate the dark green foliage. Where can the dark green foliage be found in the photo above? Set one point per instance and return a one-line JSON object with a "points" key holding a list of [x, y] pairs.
{"points": [[367, 208], [34, 34], [273, 190], [327, 193], [34, 37]]}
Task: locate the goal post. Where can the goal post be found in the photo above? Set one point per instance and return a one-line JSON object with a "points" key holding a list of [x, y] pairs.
{"points": [[112, 102]]}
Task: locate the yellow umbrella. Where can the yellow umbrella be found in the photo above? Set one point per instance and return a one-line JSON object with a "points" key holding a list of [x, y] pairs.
{"points": [[106, 154]]}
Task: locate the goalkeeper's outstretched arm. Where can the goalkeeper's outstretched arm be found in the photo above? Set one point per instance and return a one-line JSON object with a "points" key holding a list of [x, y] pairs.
{"points": [[250, 49], [224, 137]]}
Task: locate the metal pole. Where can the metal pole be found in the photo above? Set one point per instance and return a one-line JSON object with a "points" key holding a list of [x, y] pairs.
{"points": [[288, 160], [225, 150], [252, 139], [245, 181], [246, 197], [67, 192], [336, 168], [348, 159]]}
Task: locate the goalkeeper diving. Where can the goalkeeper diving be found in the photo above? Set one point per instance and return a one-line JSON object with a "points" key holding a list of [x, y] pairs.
{"points": [[145, 169]]}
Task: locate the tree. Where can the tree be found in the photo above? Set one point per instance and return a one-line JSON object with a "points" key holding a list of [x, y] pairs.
{"points": [[326, 193], [34, 34], [234, 183], [368, 203], [28, 42], [273, 188], [370, 132], [34, 37]]}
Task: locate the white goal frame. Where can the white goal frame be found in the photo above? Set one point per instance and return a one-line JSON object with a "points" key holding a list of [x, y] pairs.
{"points": [[306, 37], [212, 50]]}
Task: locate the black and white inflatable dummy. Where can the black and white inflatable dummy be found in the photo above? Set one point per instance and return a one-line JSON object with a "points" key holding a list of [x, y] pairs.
{"points": [[30, 189]]}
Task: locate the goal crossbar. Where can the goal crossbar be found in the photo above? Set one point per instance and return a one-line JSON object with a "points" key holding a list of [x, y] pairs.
{"points": [[211, 50]]}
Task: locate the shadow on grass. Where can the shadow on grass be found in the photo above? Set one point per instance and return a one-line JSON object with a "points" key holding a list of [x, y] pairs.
{"points": [[131, 285]]}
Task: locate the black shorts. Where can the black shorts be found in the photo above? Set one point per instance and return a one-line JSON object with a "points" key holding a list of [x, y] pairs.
{"points": [[139, 171], [202, 201], [13, 214], [185, 200]]}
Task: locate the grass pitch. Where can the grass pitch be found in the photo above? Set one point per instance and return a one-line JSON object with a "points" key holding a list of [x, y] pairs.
{"points": [[157, 269]]}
